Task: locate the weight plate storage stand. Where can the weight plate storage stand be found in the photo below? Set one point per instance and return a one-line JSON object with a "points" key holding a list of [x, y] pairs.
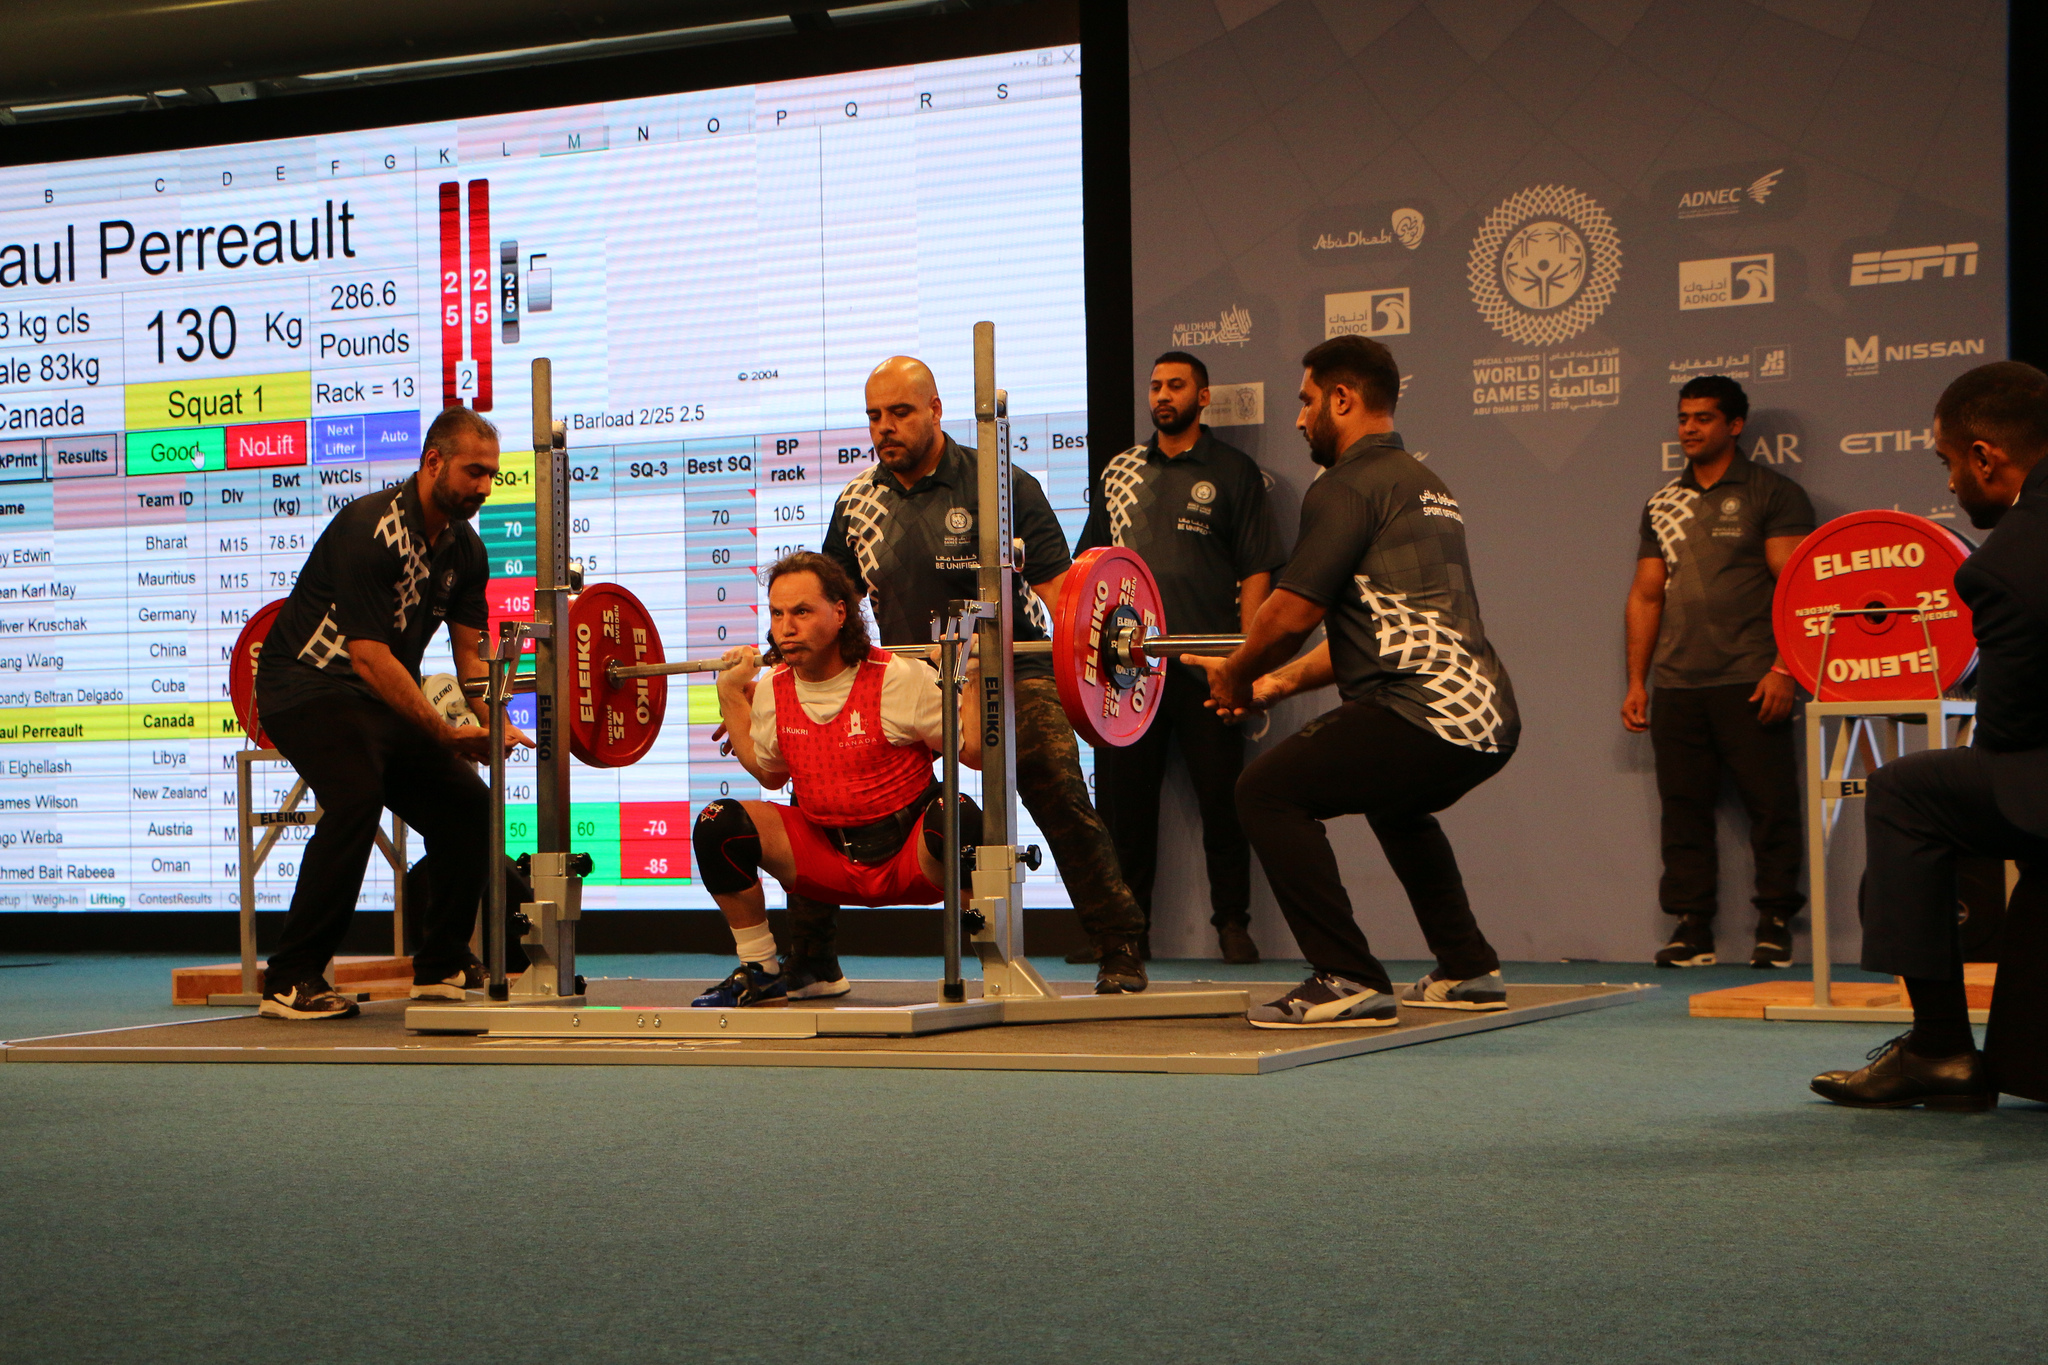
{"points": [[1867, 619], [1012, 990]]}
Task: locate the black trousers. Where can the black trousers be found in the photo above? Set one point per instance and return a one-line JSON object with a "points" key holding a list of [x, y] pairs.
{"points": [[1695, 732], [1362, 759], [1920, 813], [1128, 783], [360, 758]]}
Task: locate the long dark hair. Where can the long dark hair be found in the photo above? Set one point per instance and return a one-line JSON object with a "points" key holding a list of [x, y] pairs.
{"points": [[837, 587]]}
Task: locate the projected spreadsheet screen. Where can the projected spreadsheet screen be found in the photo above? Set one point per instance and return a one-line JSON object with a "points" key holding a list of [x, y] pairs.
{"points": [[204, 354]]}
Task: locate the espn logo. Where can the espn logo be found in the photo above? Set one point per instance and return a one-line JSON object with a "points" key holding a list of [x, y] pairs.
{"points": [[1904, 265]]}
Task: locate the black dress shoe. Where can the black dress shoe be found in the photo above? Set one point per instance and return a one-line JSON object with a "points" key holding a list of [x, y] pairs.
{"points": [[1898, 1079], [1236, 942]]}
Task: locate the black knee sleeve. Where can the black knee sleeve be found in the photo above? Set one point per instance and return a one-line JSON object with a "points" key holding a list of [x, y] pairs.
{"points": [[728, 848], [935, 827]]}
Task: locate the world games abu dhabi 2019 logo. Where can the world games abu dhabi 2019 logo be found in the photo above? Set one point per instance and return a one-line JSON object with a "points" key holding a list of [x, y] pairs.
{"points": [[1544, 265]]}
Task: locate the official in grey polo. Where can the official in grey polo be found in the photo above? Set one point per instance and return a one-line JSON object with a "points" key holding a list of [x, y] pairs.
{"points": [[1710, 547], [1194, 509], [905, 531]]}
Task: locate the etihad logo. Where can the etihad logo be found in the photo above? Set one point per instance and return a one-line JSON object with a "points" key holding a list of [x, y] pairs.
{"points": [[1887, 442], [1861, 358], [1367, 313], [1728, 282], [1904, 265], [1232, 328], [1727, 199], [1544, 265]]}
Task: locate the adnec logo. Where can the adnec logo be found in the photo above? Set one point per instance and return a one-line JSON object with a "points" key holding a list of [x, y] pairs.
{"points": [[1367, 313], [1747, 191], [1727, 282], [1721, 200], [1903, 265], [1544, 265], [1860, 357]]}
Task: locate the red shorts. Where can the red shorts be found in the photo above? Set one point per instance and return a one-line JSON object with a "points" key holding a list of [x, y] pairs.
{"points": [[824, 873]]}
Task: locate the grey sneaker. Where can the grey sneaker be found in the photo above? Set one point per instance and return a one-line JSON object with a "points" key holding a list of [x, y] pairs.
{"points": [[1433, 992], [1327, 1001]]}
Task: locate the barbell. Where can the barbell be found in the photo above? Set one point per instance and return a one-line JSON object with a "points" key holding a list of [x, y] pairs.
{"points": [[1107, 633]]}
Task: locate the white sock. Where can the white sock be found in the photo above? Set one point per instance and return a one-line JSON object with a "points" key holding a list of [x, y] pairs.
{"points": [[756, 943]]}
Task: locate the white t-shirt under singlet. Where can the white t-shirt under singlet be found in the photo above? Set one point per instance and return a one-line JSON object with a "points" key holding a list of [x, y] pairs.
{"points": [[910, 709]]}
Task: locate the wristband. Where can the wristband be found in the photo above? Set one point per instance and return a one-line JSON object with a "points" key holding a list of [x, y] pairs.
{"points": [[1780, 668]]}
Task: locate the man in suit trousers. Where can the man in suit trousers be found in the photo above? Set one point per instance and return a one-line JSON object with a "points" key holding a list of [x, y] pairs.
{"points": [[1924, 810]]}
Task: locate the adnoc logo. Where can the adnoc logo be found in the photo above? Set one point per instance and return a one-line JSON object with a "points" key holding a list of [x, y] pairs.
{"points": [[1544, 265]]}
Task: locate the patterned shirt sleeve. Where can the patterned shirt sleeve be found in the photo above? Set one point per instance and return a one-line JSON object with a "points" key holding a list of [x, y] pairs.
{"points": [[838, 545], [1646, 539]]}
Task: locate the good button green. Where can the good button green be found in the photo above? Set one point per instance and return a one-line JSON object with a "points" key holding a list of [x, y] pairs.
{"points": [[189, 450]]}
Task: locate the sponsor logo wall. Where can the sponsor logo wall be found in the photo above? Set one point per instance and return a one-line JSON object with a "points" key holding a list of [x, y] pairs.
{"points": [[1548, 276]]}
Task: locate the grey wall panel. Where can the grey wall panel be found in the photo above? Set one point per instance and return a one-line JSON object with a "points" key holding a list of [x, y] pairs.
{"points": [[1780, 138]]}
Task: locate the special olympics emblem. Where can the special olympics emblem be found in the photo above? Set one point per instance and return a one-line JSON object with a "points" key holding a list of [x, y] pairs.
{"points": [[1730, 506], [957, 520], [1544, 265], [1203, 492]]}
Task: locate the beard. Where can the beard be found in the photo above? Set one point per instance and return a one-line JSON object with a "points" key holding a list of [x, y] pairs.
{"points": [[454, 505], [1175, 420], [1322, 436], [1983, 509]]}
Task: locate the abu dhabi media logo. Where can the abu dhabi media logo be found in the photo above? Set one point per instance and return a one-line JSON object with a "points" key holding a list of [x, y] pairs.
{"points": [[1727, 282], [1906, 265], [1366, 313], [1862, 357], [1231, 327], [1544, 265]]}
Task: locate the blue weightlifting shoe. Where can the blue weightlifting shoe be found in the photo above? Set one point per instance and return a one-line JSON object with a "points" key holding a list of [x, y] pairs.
{"points": [[1327, 1001], [1434, 992], [748, 985]]}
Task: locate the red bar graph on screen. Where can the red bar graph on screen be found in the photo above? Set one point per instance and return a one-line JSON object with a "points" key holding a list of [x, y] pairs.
{"points": [[480, 265], [451, 288]]}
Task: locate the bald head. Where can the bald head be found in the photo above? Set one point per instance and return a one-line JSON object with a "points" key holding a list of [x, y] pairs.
{"points": [[903, 418]]}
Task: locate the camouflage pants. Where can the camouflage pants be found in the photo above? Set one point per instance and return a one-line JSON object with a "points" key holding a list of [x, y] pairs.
{"points": [[1050, 784]]}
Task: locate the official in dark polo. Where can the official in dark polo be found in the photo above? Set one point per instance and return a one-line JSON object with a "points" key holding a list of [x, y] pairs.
{"points": [[1713, 541], [1990, 799], [905, 531], [1195, 510]]}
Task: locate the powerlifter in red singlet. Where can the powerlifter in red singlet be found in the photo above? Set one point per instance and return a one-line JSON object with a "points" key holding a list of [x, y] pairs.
{"points": [[854, 730]]}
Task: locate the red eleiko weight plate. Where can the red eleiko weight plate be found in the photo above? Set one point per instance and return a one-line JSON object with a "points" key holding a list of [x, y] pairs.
{"points": [[612, 727], [1102, 582], [1875, 559], [242, 669]]}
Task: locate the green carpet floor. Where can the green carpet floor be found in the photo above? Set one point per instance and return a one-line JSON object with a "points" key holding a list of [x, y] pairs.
{"points": [[1626, 1185]]}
